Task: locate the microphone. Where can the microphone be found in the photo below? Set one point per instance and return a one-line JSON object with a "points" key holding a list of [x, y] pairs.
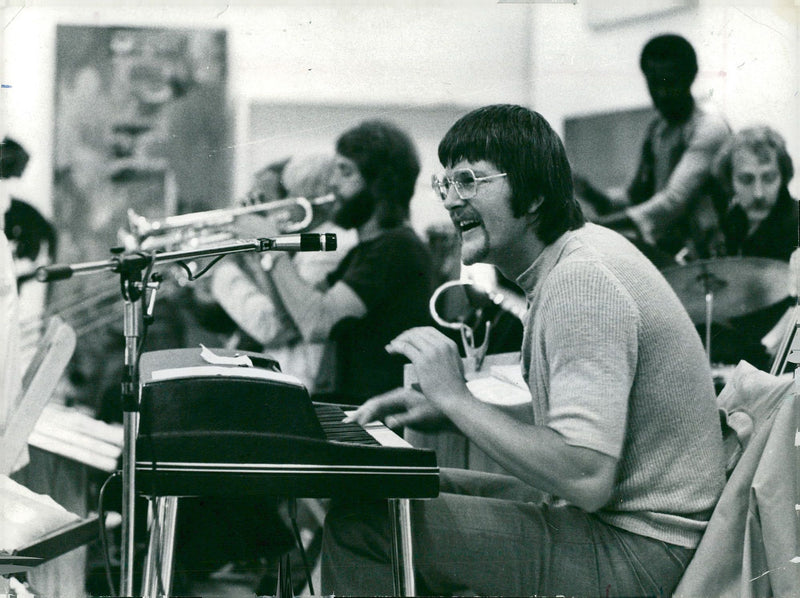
{"points": [[53, 272], [303, 242]]}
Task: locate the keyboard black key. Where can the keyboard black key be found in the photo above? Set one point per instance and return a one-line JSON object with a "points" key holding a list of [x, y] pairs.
{"points": [[330, 417]]}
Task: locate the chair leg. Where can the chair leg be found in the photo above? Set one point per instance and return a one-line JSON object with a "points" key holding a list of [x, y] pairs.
{"points": [[158, 565], [402, 550], [284, 588]]}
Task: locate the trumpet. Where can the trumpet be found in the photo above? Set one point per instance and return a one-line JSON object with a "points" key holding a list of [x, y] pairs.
{"points": [[210, 224]]}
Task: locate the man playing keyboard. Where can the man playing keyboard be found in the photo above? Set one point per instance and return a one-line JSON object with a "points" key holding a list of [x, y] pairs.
{"points": [[621, 435]]}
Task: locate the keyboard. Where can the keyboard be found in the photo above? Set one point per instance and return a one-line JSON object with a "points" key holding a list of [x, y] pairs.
{"points": [[215, 429]]}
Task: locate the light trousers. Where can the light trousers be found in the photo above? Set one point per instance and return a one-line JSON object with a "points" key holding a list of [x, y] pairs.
{"points": [[489, 534]]}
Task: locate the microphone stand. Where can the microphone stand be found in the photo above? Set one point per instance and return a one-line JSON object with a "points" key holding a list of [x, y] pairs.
{"points": [[130, 267]]}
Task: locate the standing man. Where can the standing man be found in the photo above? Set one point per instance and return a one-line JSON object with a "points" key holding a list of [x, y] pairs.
{"points": [[621, 434], [383, 284], [668, 199]]}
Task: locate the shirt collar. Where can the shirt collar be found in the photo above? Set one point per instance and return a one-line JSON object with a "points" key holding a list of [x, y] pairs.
{"points": [[530, 280]]}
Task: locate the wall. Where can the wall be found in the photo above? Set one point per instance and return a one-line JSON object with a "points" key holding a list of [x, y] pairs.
{"points": [[426, 54], [343, 54]]}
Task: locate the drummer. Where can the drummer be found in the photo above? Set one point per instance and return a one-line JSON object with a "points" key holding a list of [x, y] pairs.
{"points": [[757, 218]]}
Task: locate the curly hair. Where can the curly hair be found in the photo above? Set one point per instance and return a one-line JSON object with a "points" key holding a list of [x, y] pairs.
{"points": [[671, 48], [387, 159]]}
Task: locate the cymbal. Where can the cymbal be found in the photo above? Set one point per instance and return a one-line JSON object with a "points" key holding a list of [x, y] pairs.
{"points": [[738, 285], [14, 563]]}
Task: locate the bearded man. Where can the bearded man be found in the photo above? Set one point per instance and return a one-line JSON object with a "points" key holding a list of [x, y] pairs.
{"points": [[383, 284]]}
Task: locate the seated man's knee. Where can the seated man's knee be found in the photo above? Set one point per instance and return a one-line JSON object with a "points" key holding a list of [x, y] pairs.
{"points": [[350, 525], [356, 549]]}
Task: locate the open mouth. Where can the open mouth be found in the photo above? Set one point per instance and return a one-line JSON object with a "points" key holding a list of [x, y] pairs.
{"points": [[466, 224]]}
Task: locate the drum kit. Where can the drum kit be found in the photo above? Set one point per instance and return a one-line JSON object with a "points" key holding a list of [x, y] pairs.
{"points": [[720, 289]]}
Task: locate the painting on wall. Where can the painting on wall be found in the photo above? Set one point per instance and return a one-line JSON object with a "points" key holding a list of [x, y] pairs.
{"points": [[140, 123]]}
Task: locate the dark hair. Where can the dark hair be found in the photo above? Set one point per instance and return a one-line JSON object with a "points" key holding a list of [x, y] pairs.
{"points": [[387, 159], [673, 49], [13, 158], [521, 143], [758, 140], [26, 225]]}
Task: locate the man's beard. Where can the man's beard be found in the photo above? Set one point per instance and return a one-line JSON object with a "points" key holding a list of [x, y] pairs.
{"points": [[354, 211]]}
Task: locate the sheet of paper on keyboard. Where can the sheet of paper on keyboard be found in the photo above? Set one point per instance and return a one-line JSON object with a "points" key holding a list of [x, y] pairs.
{"points": [[210, 357]]}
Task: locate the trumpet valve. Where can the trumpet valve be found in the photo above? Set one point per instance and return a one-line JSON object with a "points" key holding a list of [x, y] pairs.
{"points": [[139, 226]]}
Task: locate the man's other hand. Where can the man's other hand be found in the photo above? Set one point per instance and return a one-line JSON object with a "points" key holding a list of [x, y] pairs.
{"points": [[398, 408]]}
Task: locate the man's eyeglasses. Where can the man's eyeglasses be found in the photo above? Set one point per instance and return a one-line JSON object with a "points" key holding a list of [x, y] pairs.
{"points": [[463, 181]]}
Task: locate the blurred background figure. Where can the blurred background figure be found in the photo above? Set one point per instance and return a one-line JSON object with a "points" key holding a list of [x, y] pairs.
{"points": [[758, 218], [13, 159], [382, 285], [669, 196], [743, 262], [246, 293]]}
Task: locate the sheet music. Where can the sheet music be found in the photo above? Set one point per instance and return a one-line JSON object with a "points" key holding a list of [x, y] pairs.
{"points": [[78, 437], [498, 391], [26, 516], [210, 357]]}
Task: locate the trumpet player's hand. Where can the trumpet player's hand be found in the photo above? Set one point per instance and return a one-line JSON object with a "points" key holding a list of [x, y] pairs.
{"points": [[252, 226]]}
